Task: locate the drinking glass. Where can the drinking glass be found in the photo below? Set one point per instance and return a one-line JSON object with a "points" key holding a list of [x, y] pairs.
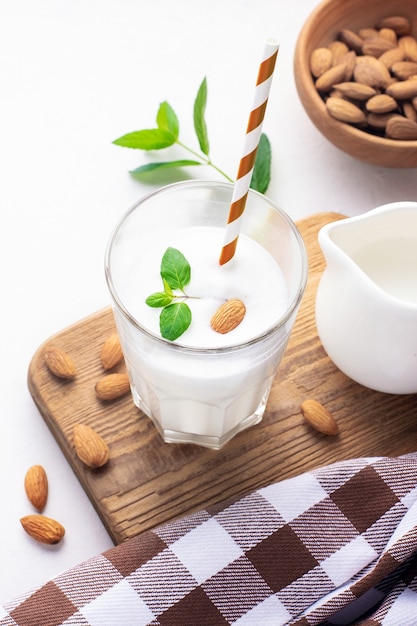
{"points": [[201, 395]]}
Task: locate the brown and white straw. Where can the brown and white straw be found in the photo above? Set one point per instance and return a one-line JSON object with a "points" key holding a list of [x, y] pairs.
{"points": [[247, 161]]}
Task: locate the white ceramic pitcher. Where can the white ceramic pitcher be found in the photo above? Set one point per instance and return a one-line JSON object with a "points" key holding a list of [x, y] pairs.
{"points": [[366, 304]]}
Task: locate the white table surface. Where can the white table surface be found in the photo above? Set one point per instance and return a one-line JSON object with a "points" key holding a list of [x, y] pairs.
{"points": [[75, 75]]}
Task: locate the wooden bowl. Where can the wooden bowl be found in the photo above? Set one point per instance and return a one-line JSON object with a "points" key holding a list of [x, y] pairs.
{"points": [[323, 26]]}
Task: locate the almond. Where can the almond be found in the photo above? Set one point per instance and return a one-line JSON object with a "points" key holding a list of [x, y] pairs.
{"points": [[335, 74], [367, 33], [377, 46], [319, 417], [112, 386], [321, 60], [228, 316], [43, 529], [403, 90], [36, 486], [409, 111], [389, 34], [404, 69], [59, 363], [381, 103], [399, 24], [111, 352], [91, 449], [351, 39], [371, 71], [392, 56], [399, 127], [377, 66], [345, 111], [338, 50], [357, 91], [349, 60], [335, 93], [379, 120], [409, 45]]}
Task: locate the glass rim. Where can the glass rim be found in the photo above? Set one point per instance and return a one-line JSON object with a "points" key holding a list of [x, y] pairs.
{"points": [[177, 345]]}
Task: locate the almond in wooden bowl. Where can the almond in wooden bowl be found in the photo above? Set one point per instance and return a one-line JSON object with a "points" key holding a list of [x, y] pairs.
{"points": [[388, 30]]}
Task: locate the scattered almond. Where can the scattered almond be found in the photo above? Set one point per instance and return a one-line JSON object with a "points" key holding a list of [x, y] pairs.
{"points": [[319, 417], [43, 529], [112, 386], [228, 316], [59, 363], [91, 449], [111, 352], [36, 486]]}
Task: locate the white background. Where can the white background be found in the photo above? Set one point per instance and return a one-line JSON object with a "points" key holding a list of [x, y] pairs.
{"points": [[75, 75]]}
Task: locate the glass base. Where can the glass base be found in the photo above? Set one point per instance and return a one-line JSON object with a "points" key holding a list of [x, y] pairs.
{"points": [[207, 441]]}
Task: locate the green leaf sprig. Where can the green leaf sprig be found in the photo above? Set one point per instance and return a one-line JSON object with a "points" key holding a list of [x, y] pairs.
{"points": [[167, 134], [175, 316]]}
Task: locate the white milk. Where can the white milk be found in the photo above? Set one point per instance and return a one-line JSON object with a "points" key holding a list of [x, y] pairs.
{"points": [[252, 276], [392, 265], [196, 385]]}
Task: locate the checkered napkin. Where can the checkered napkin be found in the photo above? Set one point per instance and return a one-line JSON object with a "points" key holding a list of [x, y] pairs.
{"points": [[337, 545]]}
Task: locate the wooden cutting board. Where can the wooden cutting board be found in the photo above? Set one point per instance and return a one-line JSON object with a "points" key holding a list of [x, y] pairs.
{"points": [[147, 482]]}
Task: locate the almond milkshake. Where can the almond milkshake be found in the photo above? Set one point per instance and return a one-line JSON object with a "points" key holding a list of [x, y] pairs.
{"points": [[204, 386]]}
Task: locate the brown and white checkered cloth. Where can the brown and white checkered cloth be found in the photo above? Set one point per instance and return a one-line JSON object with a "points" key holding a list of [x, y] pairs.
{"points": [[333, 546]]}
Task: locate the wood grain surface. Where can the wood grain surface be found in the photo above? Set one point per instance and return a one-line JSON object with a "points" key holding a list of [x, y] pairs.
{"points": [[147, 482]]}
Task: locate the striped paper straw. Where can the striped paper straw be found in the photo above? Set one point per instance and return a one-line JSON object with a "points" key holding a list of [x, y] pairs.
{"points": [[247, 162]]}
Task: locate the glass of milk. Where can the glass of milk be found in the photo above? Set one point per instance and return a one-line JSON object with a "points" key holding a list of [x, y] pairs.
{"points": [[205, 386]]}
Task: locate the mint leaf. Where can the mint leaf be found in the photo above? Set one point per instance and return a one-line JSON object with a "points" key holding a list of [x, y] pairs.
{"points": [[167, 119], [199, 121], [261, 175], [175, 269], [150, 167], [174, 320], [148, 139], [167, 288], [159, 299], [167, 134], [175, 317]]}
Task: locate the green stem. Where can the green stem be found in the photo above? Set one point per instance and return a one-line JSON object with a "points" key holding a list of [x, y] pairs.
{"points": [[220, 171], [185, 297], [205, 160]]}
